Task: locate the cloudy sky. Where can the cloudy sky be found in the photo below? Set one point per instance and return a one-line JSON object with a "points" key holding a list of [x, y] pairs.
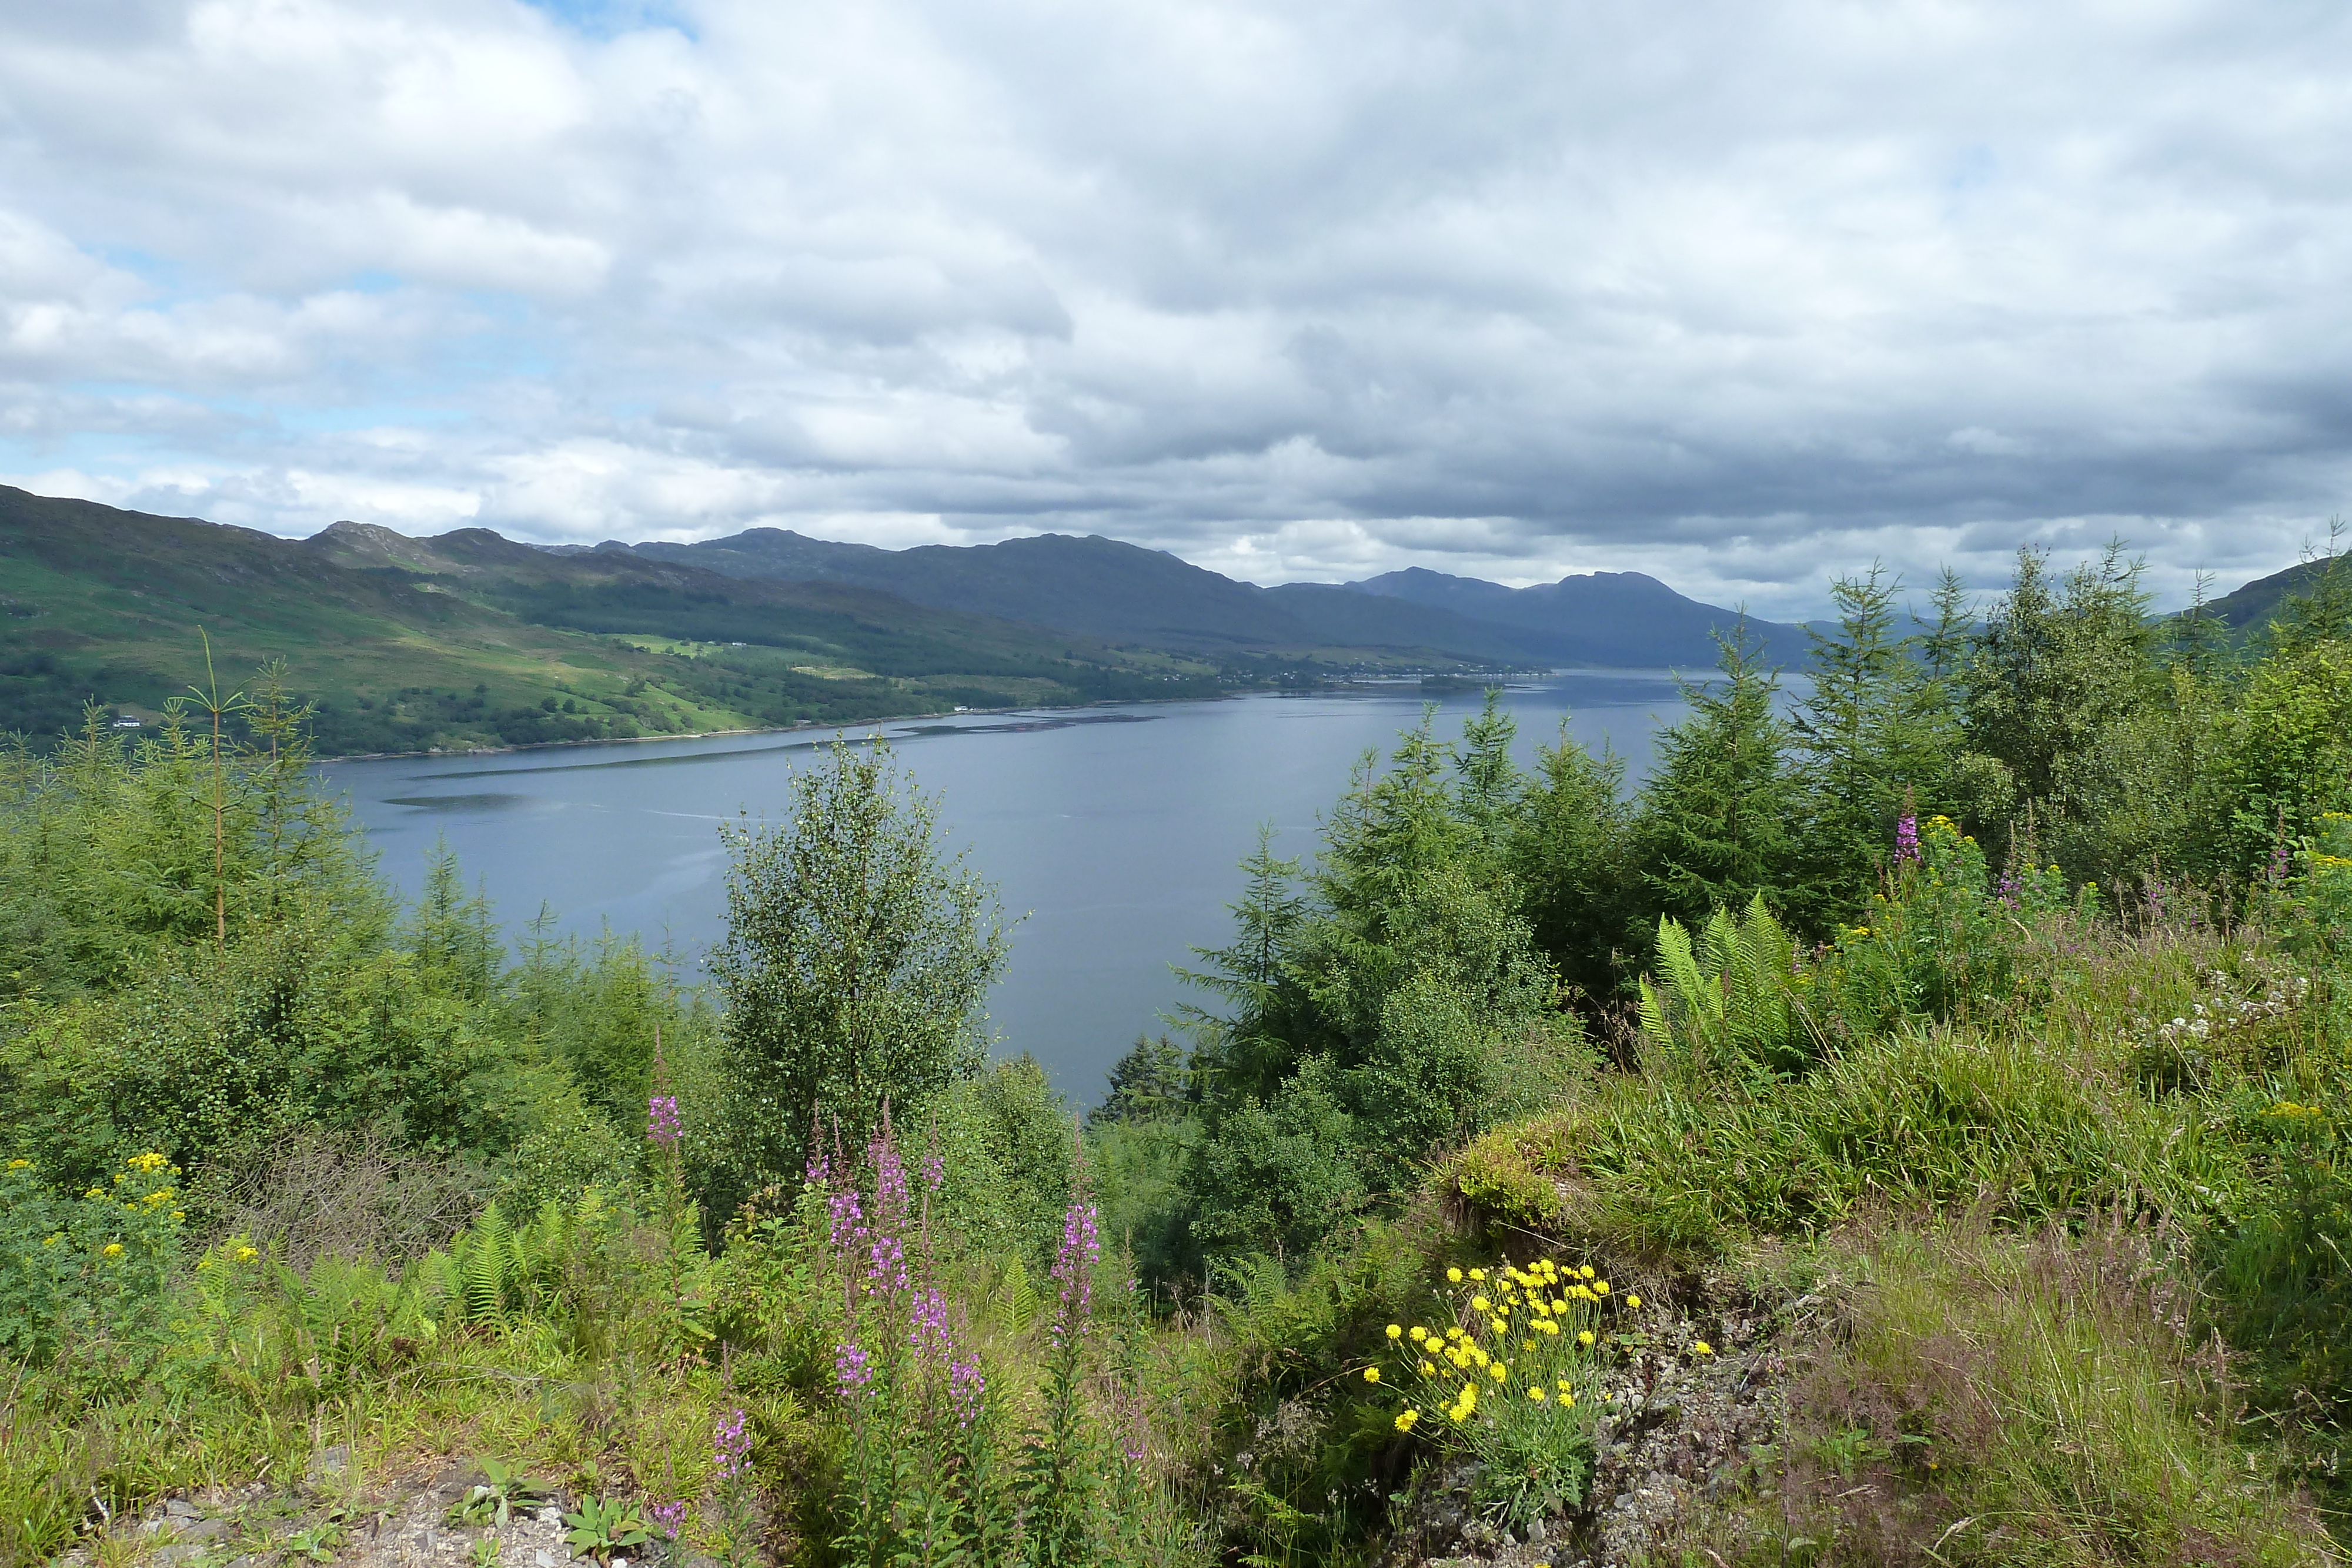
{"points": [[1737, 292]]}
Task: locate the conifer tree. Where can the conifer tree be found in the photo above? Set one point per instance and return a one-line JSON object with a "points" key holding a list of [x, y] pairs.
{"points": [[1713, 826]]}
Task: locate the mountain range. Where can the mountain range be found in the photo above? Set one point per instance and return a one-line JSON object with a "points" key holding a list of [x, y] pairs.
{"points": [[467, 638], [1125, 593]]}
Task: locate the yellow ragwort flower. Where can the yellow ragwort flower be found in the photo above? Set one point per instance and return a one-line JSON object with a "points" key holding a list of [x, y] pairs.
{"points": [[1585, 1337], [1395, 1331], [1454, 1276], [1537, 1395], [1419, 1333], [1372, 1374], [1405, 1420], [1703, 1348], [1632, 1301]]}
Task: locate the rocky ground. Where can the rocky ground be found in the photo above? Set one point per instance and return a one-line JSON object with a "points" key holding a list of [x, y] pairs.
{"points": [[1684, 1434], [394, 1521]]}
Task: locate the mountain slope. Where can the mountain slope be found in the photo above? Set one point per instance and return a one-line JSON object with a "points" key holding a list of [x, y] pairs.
{"points": [[2252, 605], [1099, 587], [471, 639], [1124, 593]]}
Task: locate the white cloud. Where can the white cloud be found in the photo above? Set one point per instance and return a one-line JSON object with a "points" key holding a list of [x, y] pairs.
{"points": [[1733, 293]]}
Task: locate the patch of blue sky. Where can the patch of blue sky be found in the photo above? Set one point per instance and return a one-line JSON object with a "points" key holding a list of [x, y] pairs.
{"points": [[611, 18]]}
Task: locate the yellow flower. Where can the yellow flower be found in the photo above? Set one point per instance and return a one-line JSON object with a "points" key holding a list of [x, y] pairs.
{"points": [[245, 1254], [1703, 1348], [1585, 1337], [1479, 1304], [1601, 1287], [1498, 1371], [1586, 1270], [1395, 1331], [1480, 1356], [1537, 1395], [179, 1214], [1478, 1273], [1406, 1418], [1455, 1333], [53, 1237], [113, 1249], [1632, 1301], [1454, 1275], [1372, 1374], [1427, 1370], [20, 1164], [1419, 1333], [1563, 1384], [1557, 1305]]}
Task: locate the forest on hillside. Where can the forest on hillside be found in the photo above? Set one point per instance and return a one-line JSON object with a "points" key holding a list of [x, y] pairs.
{"points": [[1906, 1128]]}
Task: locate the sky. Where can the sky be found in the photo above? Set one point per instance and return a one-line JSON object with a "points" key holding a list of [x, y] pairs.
{"points": [[1738, 293]]}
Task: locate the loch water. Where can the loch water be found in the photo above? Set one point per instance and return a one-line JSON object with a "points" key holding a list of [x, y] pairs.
{"points": [[1113, 833]]}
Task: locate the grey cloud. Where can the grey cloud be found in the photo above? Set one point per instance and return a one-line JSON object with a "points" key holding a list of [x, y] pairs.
{"points": [[1733, 292]]}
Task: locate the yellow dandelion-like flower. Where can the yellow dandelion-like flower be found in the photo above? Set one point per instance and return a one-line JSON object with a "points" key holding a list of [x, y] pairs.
{"points": [[1632, 1301], [1585, 1337], [1405, 1420], [1479, 1304], [1419, 1333], [1454, 1333], [1454, 1276], [1499, 1372], [1537, 1395], [1372, 1374], [113, 1249], [1478, 1273], [179, 1214], [1586, 1270], [1601, 1287], [246, 1254], [1480, 1356], [1427, 1370], [1557, 1305], [1396, 1331], [1703, 1348]]}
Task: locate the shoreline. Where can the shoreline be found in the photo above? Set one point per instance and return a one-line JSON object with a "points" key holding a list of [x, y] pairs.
{"points": [[896, 718], [757, 729]]}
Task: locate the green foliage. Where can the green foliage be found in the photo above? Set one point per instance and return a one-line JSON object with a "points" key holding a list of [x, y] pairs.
{"points": [[1009, 1140], [492, 1499], [2055, 664], [1729, 1005], [1875, 731], [89, 1268], [1150, 1084], [601, 1526], [1716, 822], [1570, 856], [856, 960]]}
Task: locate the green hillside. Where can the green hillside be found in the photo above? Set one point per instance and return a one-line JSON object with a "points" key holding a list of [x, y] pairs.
{"points": [[471, 640]]}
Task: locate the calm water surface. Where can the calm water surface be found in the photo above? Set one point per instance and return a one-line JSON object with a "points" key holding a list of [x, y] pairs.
{"points": [[1113, 833]]}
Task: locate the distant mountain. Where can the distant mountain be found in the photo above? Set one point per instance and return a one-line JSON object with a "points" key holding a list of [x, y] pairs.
{"points": [[1124, 593], [471, 639], [2252, 605], [1102, 588], [1601, 618]]}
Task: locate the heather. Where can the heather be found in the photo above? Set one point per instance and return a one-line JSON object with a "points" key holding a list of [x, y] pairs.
{"points": [[1902, 1128]]}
